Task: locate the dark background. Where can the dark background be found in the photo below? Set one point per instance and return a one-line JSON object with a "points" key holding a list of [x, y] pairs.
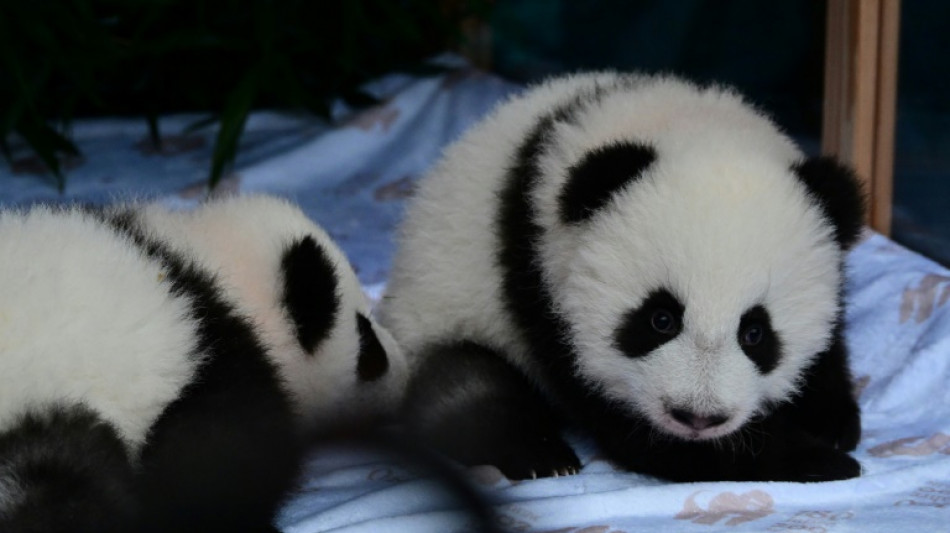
{"points": [[67, 59]]}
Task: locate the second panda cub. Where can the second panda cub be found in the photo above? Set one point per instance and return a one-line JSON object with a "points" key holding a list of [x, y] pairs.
{"points": [[648, 259], [286, 274]]}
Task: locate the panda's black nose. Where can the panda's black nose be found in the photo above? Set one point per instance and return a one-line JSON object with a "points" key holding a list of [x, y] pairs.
{"points": [[697, 422]]}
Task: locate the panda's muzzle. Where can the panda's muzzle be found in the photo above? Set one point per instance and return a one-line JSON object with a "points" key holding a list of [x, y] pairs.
{"points": [[697, 422]]}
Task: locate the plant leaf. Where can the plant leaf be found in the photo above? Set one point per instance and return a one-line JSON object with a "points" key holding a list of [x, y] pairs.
{"points": [[46, 142], [233, 119]]}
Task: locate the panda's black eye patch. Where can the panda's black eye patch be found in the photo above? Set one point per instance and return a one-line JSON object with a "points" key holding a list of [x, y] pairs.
{"points": [[758, 340], [653, 323], [599, 175]]}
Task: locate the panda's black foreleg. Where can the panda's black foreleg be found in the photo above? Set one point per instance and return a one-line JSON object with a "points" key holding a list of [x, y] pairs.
{"points": [[826, 407], [772, 448], [65, 468], [222, 458], [468, 402]]}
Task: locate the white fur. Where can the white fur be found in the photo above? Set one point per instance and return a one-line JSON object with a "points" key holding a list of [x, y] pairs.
{"points": [[241, 240], [86, 317], [718, 219]]}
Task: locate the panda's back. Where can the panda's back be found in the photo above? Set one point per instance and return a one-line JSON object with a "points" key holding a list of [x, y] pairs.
{"points": [[87, 317]]}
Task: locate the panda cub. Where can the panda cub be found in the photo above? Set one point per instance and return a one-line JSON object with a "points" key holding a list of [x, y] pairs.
{"points": [[283, 271], [139, 388], [649, 260]]}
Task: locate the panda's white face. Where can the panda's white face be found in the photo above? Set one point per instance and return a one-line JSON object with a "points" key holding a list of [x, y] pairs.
{"points": [[697, 306], [701, 290]]}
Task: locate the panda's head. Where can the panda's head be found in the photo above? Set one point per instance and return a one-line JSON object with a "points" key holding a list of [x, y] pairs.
{"points": [[344, 367], [288, 277], [694, 253], [333, 325]]}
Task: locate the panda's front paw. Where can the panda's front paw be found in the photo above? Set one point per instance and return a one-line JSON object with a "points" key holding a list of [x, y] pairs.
{"points": [[822, 464], [524, 457]]}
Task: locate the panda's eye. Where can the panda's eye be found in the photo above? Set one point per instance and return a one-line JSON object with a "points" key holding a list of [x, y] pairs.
{"points": [[752, 335], [663, 322]]}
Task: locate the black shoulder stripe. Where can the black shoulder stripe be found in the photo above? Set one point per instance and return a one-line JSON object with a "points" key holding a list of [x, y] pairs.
{"points": [[372, 363], [310, 291], [527, 299], [525, 295], [599, 175]]}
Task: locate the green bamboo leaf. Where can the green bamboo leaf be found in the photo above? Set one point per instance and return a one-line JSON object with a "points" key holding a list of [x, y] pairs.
{"points": [[233, 118], [153, 132], [5, 149], [200, 124], [47, 143]]}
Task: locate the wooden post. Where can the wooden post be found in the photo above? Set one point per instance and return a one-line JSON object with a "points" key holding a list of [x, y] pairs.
{"points": [[861, 46]]}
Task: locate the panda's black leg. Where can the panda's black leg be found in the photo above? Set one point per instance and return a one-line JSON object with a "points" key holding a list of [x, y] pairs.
{"points": [[773, 448], [469, 403], [826, 407], [818, 463], [222, 458], [781, 450], [64, 468]]}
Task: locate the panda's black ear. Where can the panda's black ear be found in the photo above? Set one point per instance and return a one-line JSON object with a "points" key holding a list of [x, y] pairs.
{"points": [[599, 175], [372, 362], [837, 190], [309, 291]]}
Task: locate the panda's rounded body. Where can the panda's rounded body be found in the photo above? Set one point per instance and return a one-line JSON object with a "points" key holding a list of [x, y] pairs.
{"points": [[88, 315], [656, 260], [143, 390]]}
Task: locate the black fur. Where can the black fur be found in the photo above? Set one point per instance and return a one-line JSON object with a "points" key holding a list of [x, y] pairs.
{"points": [[480, 410], [593, 181], [372, 363], [637, 336], [765, 354], [826, 406], [223, 455], [71, 471], [310, 291], [838, 192]]}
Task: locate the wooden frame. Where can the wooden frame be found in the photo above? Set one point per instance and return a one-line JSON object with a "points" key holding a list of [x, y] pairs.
{"points": [[861, 47]]}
